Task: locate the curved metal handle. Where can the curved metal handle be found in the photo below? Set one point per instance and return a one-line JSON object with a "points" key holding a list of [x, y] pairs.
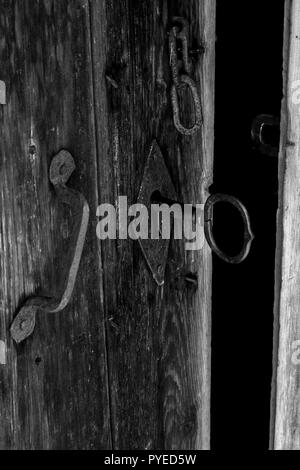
{"points": [[208, 227], [61, 168], [257, 132]]}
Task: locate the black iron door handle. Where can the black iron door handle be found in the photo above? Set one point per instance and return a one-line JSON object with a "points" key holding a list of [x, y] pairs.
{"points": [[209, 220], [208, 227], [61, 168]]}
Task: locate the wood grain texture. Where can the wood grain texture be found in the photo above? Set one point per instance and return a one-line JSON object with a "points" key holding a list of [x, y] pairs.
{"points": [[127, 364], [53, 389], [158, 338], [285, 422]]}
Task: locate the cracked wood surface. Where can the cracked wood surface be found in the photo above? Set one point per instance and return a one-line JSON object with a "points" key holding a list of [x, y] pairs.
{"points": [[53, 389], [285, 419]]}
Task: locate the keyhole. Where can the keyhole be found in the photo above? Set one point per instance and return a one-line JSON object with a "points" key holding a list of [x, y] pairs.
{"points": [[38, 360]]}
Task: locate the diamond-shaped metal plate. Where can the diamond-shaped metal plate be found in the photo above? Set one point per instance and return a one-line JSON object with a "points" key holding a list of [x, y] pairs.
{"points": [[156, 178]]}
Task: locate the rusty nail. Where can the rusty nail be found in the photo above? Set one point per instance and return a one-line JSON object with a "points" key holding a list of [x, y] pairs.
{"points": [[112, 81]]}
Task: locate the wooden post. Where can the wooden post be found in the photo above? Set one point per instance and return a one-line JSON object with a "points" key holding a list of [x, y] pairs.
{"points": [[285, 422], [127, 364]]}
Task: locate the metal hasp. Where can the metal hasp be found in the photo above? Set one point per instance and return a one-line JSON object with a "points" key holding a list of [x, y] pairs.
{"points": [[156, 179], [259, 125], [181, 70], [61, 168]]}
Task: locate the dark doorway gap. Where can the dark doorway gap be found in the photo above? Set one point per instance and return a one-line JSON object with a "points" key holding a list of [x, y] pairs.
{"points": [[248, 83]]}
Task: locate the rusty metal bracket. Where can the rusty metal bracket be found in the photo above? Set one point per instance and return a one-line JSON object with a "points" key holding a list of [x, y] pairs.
{"points": [[61, 168], [156, 179], [179, 34]]}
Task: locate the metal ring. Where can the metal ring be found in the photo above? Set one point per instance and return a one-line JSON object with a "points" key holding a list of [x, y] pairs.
{"points": [[208, 227], [185, 79]]}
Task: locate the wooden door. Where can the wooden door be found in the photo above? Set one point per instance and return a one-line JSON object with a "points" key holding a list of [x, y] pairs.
{"points": [[126, 365]]}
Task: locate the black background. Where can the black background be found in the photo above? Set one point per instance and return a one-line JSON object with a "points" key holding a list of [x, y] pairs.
{"points": [[248, 83]]}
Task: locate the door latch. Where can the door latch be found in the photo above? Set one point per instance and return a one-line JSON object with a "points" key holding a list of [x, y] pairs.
{"points": [[157, 188], [181, 70], [61, 168]]}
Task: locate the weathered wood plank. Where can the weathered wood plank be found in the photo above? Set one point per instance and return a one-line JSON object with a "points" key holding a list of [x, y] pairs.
{"points": [[53, 388], [54, 391], [285, 422], [158, 338]]}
